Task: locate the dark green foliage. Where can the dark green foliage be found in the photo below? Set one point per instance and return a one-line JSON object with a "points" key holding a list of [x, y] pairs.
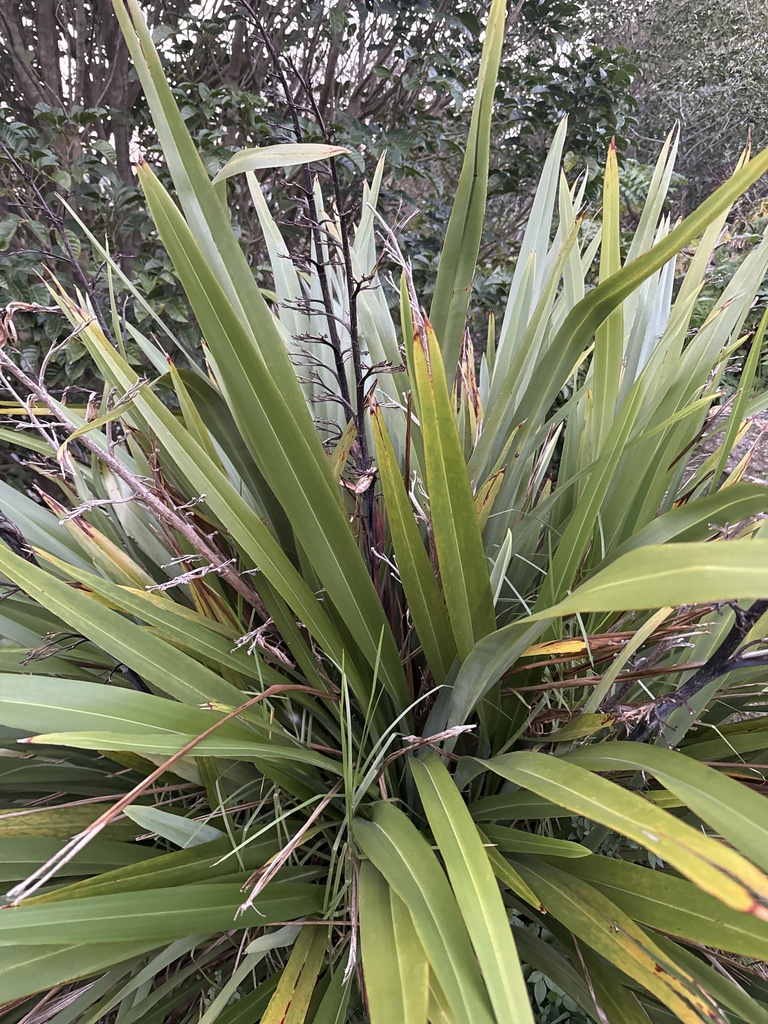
{"points": [[392, 76]]}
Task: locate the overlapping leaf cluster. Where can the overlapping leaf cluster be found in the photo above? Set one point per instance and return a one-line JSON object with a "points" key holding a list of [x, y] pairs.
{"points": [[326, 664]]}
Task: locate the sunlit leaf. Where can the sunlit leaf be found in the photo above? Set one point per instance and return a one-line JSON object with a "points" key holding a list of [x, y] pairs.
{"points": [[283, 155]]}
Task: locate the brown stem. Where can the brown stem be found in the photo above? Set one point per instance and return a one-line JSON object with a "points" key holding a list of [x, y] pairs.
{"points": [[322, 273], [364, 463]]}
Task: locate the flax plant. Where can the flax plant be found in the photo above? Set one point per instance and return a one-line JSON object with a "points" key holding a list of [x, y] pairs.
{"points": [[365, 680]]}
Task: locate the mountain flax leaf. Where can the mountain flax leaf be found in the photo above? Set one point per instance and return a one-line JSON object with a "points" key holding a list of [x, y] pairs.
{"points": [[458, 258], [463, 565]]}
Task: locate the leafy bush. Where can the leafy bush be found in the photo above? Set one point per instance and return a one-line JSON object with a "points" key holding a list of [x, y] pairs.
{"points": [[326, 663], [391, 77]]}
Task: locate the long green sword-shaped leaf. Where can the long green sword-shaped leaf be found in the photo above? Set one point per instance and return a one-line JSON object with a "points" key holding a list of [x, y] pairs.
{"points": [[59, 822], [209, 220], [690, 522], [394, 964], [663, 901], [250, 1007], [285, 155], [20, 855], [543, 955], [672, 574], [536, 238], [25, 970], [458, 259], [167, 744], [193, 420], [335, 1001], [186, 981], [475, 887], [439, 1010], [511, 878], [211, 407], [157, 915], [425, 602], [42, 704], [463, 566], [262, 346], [40, 525], [715, 868], [577, 535], [208, 862], [402, 855], [234, 513], [719, 985], [736, 812], [490, 658], [516, 840], [603, 926], [176, 624], [609, 337], [730, 741], [182, 832], [741, 399], [617, 1002]]}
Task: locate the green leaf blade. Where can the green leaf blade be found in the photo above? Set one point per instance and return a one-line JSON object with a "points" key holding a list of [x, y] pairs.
{"points": [[475, 888], [424, 598], [458, 259], [461, 556], [283, 155], [403, 857], [396, 968], [716, 869]]}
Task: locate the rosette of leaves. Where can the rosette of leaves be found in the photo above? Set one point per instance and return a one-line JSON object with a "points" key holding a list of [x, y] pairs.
{"points": [[317, 681]]}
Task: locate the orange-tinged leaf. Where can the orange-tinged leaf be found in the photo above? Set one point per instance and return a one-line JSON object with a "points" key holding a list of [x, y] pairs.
{"points": [[594, 919], [713, 866]]}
